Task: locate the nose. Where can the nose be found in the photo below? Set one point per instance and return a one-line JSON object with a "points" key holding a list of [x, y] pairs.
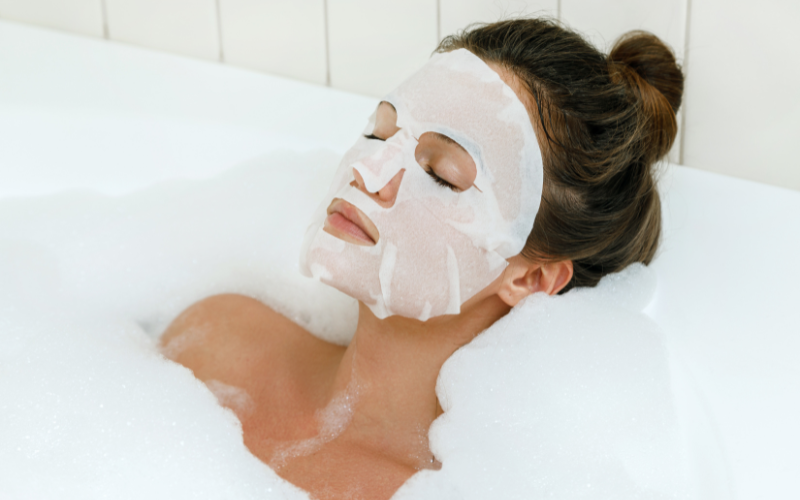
{"points": [[384, 196], [380, 174]]}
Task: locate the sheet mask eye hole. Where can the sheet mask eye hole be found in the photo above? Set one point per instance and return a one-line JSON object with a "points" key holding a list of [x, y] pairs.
{"points": [[424, 162], [446, 161], [374, 137], [385, 122]]}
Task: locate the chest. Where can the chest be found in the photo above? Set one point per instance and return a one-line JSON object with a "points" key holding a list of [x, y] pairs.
{"points": [[336, 469], [329, 465]]}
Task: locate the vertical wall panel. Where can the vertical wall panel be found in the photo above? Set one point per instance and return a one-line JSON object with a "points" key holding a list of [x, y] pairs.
{"points": [[276, 36], [743, 91], [187, 27], [456, 15], [602, 22], [375, 44], [79, 16]]}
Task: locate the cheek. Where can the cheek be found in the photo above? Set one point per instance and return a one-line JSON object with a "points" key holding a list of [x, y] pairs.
{"points": [[363, 148], [434, 267], [438, 201], [448, 211]]}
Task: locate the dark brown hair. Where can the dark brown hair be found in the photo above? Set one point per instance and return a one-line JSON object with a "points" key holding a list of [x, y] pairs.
{"points": [[604, 121]]}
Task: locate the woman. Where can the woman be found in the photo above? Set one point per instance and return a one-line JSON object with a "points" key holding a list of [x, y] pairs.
{"points": [[518, 160]]}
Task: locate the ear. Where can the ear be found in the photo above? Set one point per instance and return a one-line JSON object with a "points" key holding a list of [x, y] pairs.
{"points": [[523, 277]]}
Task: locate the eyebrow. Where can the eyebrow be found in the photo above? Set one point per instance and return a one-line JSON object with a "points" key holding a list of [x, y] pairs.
{"points": [[387, 102], [443, 138]]}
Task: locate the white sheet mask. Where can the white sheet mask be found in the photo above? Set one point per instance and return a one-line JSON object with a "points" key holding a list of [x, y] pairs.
{"points": [[437, 248]]}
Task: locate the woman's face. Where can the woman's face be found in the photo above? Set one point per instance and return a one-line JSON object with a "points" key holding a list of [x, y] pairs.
{"points": [[441, 189], [444, 160]]}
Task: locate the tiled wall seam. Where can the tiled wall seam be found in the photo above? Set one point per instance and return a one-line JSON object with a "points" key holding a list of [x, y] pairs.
{"points": [[327, 44], [219, 32], [685, 14], [438, 20], [439, 26], [104, 13], [685, 65], [326, 15]]}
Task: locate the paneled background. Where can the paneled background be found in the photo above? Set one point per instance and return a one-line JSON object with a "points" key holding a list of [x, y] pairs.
{"points": [[741, 113]]}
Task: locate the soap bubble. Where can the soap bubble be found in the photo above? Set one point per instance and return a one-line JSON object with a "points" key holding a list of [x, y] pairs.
{"points": [[566, 397]]}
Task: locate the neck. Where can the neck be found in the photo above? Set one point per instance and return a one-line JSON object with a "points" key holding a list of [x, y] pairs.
{"points": [[391, 366]]}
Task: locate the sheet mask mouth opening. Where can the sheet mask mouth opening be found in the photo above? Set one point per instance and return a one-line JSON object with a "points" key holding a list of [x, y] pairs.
{"points": [[350, 224]]}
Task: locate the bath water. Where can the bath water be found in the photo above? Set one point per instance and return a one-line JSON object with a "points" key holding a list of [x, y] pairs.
{"points": [[567, 397]]}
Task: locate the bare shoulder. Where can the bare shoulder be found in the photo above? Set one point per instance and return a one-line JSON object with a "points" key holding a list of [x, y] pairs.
{"points": [[231, 313], [231, 336]]}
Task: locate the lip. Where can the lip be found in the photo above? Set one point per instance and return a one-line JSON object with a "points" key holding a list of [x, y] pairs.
{"points": [[348, 223]]}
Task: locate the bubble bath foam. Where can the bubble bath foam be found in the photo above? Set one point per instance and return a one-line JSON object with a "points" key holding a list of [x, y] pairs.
{"points": [[566, 397]]}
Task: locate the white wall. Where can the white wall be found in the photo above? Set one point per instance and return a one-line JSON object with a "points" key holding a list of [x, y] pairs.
{"points": [[603, 21], [188, 27], [743, 90], [741, 108], [455, 15], [287, 38], [375, 44], [79, 16]]}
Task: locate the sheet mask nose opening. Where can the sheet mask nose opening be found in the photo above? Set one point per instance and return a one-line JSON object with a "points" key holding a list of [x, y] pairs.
{"points": [[378, 169]]}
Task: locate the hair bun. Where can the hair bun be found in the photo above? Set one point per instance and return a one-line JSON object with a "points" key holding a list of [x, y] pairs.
{"points": [[652, 60], [653, 74]]}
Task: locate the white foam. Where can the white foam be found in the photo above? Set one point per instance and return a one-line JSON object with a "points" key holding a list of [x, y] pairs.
{"points": [[192, 335], [231, 397], [332, 421], [567, 397]]}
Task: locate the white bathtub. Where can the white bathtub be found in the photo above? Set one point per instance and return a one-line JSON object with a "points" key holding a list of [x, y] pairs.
{"points": [[77, 113]]}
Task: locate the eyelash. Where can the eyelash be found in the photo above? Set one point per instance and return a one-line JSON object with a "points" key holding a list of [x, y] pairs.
{"points": [[438, 180]]}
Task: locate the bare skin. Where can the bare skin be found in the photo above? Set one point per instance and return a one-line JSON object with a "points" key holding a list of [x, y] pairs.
{"points": [[382, 385]]}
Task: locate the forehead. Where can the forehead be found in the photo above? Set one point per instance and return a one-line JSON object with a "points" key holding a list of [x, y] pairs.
{"points": [[456, 89], [458, 95]]}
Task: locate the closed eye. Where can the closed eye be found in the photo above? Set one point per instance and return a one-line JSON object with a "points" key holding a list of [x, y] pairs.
{"points": [[373, 136], [441, 181]]}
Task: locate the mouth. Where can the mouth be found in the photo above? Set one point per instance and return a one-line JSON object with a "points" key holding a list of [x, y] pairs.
{"points": [[348, 223]]}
